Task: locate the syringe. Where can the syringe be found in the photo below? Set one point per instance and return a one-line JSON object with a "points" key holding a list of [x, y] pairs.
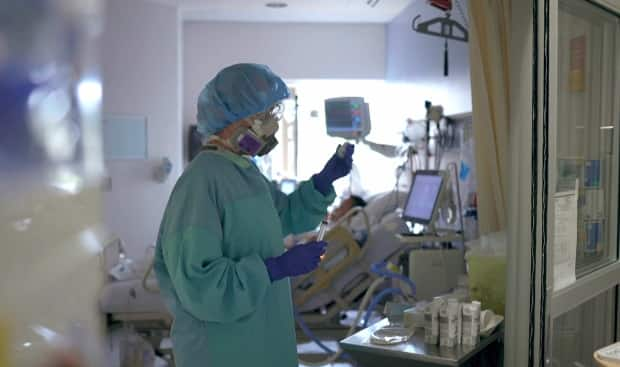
{"points": [[322, 230]]}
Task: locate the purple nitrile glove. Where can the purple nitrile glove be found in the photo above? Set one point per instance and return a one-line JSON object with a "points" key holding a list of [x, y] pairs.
{"points": [[300, 259], [338, 166]]}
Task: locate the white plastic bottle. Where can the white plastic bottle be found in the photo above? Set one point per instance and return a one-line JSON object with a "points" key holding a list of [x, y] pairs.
{"points": [[431, 322], [471, 323], [454, 313], [448, 323]]}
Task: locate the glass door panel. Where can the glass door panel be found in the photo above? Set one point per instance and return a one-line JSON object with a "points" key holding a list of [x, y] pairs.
{"points": [[587, 131]]}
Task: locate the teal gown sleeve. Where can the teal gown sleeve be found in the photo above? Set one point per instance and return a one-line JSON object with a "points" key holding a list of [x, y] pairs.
{"points": [[209, 285], [302, 210]]}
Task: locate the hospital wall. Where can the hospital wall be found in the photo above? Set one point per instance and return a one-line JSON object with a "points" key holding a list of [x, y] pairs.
{"points": [[416, 60], [140, 76], [294, 51]]}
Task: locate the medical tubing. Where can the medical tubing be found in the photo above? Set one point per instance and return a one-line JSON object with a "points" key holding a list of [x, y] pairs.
{"points": [[304, 327], [381, 270], [378, 269], [365, 301], [375, 301], [147, 274], [384, 274]]}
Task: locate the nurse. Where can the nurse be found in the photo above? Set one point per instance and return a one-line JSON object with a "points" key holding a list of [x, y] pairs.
{"points": [[220, 259]]}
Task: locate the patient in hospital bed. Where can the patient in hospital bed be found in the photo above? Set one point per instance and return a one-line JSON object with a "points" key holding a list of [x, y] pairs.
{"points": [[345, 272], [356, 226], [381, 209]]}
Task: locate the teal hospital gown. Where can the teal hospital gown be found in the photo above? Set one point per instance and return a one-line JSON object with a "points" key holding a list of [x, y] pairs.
{"points": [[222, 220]]}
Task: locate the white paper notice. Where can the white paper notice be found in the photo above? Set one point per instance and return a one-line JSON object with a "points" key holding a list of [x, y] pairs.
{"points": [[565, 239]]}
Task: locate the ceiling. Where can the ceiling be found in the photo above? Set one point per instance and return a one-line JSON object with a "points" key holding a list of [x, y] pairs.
{"points": [[341, 11]]}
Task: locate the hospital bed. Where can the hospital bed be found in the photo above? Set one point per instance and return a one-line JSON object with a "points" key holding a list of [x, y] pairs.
{"points": [[344, 274], [134, 303]]}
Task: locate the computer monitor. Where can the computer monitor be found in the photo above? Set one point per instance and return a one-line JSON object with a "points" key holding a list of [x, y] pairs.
{"points": [[347, 117], [423, 197]]}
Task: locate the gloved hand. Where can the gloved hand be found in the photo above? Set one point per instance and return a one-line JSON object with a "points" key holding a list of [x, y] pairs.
{"points": [[334, 169], [300, 259]]}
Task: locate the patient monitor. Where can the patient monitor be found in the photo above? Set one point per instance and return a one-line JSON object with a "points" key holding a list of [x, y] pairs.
{"points": [[347, 117]]}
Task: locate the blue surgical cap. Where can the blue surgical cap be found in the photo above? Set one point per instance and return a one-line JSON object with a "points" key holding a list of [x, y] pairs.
{"points": [[235, 93]]}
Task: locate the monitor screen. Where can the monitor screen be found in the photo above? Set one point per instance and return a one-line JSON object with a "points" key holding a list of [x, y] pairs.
{"points": [[423, 197], [343, 115]]}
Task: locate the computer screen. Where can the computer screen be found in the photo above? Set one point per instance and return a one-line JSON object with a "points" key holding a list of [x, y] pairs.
{"points": [[423, 197]]}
